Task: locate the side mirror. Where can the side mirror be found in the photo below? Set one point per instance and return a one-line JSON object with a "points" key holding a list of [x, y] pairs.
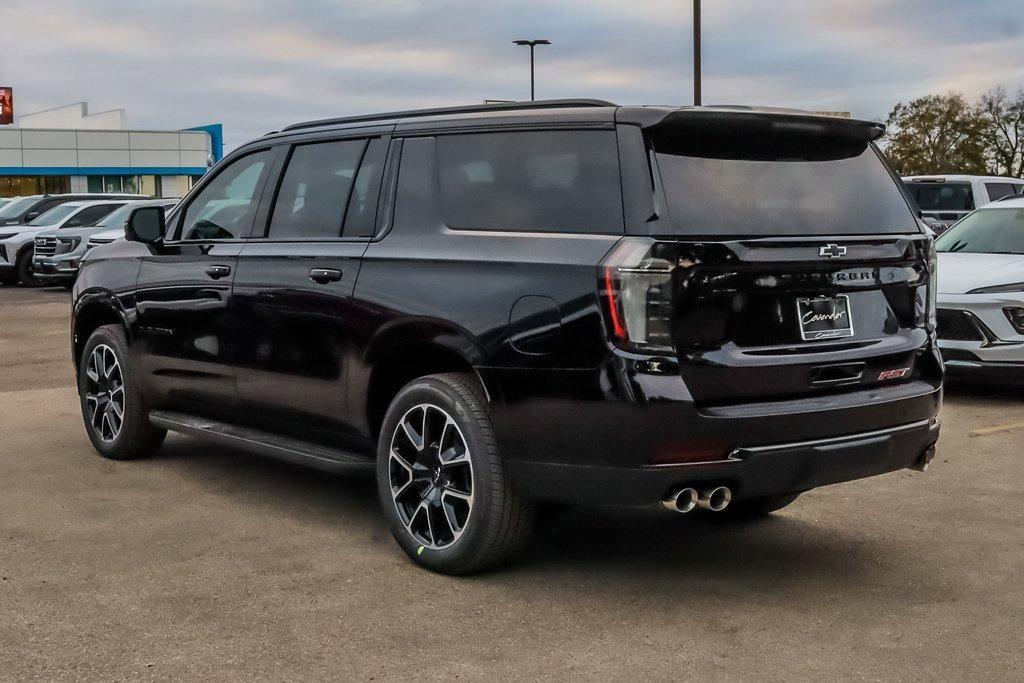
{"points": [[146, 225]]}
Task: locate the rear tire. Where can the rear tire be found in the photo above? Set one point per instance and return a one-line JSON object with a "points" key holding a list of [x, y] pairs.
{"points": [[752, 508], [441, 478], [114, 409]]}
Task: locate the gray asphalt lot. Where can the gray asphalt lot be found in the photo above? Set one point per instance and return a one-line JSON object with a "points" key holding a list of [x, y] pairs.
{"points": [[203, 562]]}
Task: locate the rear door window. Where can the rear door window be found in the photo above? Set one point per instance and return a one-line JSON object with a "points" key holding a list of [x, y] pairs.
{"points": [[532, 181], [315, 190]]}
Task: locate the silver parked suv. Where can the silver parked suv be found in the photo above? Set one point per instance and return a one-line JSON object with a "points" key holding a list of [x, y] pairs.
{"points": [[59, 251]]}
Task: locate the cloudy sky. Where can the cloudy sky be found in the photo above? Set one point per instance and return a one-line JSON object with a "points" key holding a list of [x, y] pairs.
{"points": [[256, 65]]}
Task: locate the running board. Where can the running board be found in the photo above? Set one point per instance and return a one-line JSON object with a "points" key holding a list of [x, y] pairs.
{"points": [[279, 447]]}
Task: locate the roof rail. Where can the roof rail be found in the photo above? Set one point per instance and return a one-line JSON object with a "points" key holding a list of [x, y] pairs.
{"points": [[463, 109]]}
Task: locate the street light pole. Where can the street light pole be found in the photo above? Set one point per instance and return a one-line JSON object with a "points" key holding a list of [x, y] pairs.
{"points": [[696, 53], [531, 44]]}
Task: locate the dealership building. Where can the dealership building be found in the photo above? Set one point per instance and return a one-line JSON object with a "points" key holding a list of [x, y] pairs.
{"points": [[67, 149]]}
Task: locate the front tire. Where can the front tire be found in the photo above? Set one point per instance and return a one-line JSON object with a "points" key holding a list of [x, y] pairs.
{"points": [[26, 276], [114, 409], [441, 479]]}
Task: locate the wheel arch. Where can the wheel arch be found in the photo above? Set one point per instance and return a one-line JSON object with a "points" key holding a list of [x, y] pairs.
{"points": [[404, 351], [91, 312]]}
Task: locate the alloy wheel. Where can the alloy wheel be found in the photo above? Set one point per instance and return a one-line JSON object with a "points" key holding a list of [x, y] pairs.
{"points": [[431, 476], [104, 393]]}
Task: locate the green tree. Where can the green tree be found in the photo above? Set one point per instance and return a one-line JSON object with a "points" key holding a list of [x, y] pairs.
{"points": [[1003, 131], [936, 134]]}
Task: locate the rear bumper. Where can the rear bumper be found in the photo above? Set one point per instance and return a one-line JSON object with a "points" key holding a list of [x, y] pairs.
{"points": [[749, 472], [582, 436]]}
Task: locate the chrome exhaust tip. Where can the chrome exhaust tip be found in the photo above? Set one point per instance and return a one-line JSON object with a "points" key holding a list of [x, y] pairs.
{"points": [[716, 499], [921, 464], [683, 500]]}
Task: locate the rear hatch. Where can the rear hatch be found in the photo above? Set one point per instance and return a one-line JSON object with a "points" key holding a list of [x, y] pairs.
{"points": [[783, 260]]}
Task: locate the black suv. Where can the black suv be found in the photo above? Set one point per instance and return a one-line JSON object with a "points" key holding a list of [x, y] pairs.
{"points": [[714, 308]]}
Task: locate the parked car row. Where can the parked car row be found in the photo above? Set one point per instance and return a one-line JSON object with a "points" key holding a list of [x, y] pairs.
{"points": [[43, 237]]}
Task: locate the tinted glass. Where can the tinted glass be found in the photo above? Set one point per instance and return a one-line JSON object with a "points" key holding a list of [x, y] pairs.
{"points": [[999, 190], [942, 196], [550, 181], [764, 177], [54, 215], [224, 209], [89, 216], [988, 231], [361, 219], [315, 189]]}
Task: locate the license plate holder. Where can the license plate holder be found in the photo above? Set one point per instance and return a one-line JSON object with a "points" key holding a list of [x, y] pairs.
{"points": [[824, 317]]}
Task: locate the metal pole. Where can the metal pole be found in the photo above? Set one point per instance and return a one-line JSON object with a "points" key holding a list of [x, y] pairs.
{"points": [[696, 53], [531, 73]]}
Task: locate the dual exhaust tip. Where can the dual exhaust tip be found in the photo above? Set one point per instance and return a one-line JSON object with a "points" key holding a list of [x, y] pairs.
{"points": [[686, 499]]}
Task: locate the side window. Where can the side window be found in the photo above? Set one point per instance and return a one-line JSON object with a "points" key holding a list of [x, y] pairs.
{"points": [[361, 219], [91, 215], [546, 181], [998, 190], [315, 190], [224, 209]]}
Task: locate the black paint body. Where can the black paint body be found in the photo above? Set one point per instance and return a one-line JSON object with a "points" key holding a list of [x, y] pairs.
{"points": [[576, 416]]}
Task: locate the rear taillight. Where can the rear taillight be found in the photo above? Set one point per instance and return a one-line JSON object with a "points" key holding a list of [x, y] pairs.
{"points": [[636, 288]]}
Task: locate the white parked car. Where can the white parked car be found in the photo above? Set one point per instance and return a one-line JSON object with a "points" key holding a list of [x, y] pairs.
{"points": [[945, 199], [981, 293], [17, 241]]}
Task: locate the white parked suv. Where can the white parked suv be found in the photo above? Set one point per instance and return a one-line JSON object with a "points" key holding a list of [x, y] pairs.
{"points": [[945, 199], [981, 293], [58, 252], [17, 241]]}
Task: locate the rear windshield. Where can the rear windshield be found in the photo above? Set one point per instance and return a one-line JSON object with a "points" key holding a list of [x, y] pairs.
{"points": [[941, 196], [988, 231], [771, 177]]}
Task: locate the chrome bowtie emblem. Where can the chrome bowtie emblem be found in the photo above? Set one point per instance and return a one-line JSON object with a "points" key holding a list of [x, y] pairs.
{"points": [[831, 251]]}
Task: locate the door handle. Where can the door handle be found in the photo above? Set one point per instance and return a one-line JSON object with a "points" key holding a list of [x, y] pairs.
{"points": [[217, 272], [324, 275]]}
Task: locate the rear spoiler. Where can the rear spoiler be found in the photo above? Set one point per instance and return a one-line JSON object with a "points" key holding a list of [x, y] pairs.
{"points": [[735, 116]]}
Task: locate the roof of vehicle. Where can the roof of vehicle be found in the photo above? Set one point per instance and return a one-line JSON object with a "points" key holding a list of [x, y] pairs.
{"points": [[955, 177], [560, 111], [92, 202]]}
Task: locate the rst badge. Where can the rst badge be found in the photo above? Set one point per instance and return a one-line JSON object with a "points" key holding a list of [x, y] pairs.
{"points": [[824, 318], [896, 373]]}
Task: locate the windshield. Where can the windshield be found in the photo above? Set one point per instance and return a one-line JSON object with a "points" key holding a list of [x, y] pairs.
{"points": [[941, 196], [16, 207], [776, 178], [54, 215], [989, 231]]}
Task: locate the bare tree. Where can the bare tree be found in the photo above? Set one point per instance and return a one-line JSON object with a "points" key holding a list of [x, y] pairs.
{"points": [[1003, 131]]}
